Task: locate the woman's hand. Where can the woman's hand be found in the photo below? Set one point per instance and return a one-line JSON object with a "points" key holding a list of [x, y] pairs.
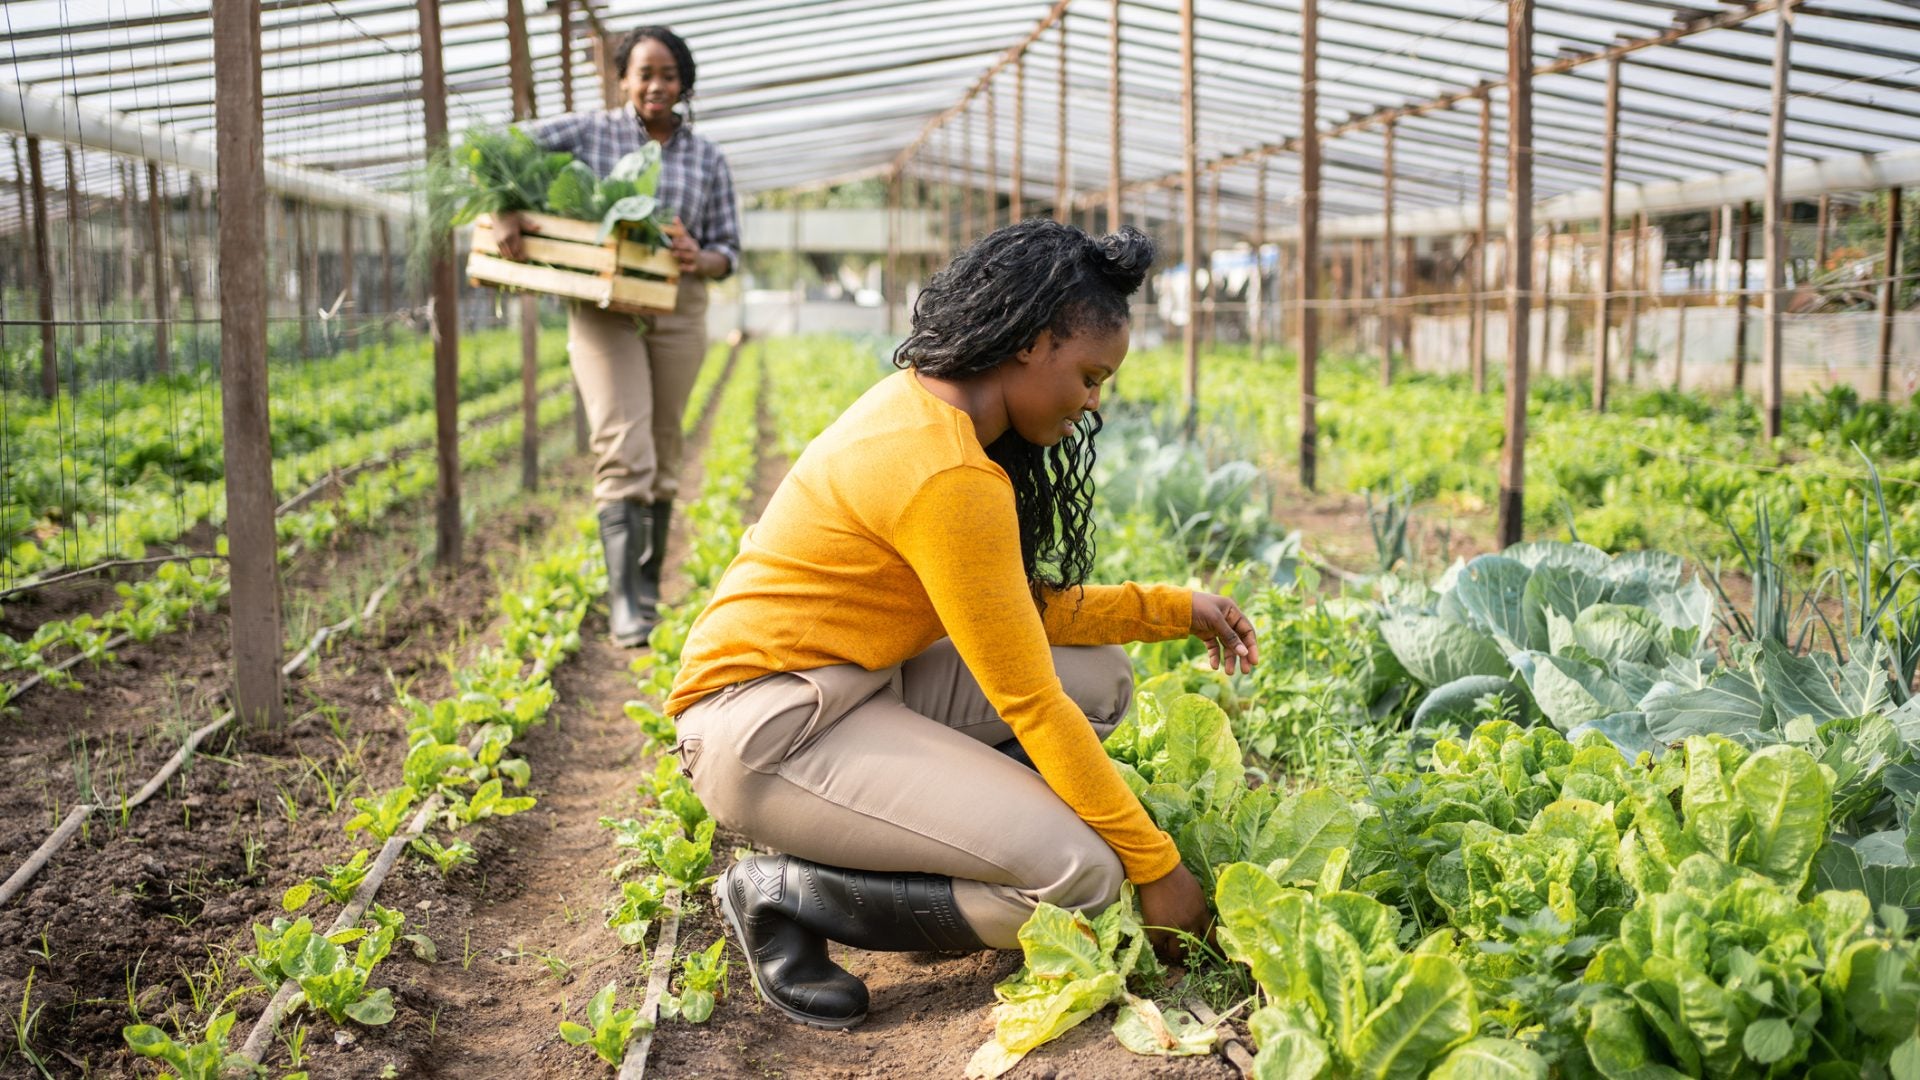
{"points": [[1220, 623], [1175, 902], [685, 250], [508, 227]]}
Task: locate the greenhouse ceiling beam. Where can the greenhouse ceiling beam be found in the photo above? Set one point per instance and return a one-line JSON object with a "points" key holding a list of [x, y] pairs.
{"points": [[49, 116], [1557, 66], [330, 18], [1053, 15], [1799, 180]]}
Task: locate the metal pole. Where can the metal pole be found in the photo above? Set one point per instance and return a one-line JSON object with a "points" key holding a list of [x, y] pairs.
{"points": [[1015, 194], [520, 85], [43, 272], [1063, 191], [1774, 214], [1609, 174], [445, 302], [1742, 300], [1309, 271], [253, 567], [1477, 329], [1190, 198], [1513, 458], [162, 281], [1386, 261], [1889, 292], [1257, 289], [1114, 209]]}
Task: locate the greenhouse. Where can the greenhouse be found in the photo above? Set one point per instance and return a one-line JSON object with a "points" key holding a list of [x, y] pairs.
{"points": [[947, 538]]}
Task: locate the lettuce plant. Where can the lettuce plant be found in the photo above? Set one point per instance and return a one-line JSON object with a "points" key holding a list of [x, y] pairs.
{"points": [[204, 1060], [703, 975], [607, 1029]]}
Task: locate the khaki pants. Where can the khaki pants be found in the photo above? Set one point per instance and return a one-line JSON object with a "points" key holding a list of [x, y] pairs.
{"points": [[635, 382], [894, 770]]}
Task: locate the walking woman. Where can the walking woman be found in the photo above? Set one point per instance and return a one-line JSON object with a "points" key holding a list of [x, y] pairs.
{"points": [[903, 679], [635, 374]]}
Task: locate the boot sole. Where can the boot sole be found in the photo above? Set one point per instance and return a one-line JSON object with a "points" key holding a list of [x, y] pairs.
{"points": [[724, 900]]}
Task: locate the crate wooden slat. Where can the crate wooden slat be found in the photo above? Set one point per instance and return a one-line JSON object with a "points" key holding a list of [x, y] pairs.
{"points": [[565, 261]]}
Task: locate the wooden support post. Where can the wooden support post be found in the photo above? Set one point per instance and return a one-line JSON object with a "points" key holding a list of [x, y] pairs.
{"points": [[76, 269], [520, 87], [1609, 175], [1774, 215], [1405, 318], [131, 283], [445, 300], [1309, 271], [1016, 179], [1820, 235], [1742, 299], [1213, 245], [1513, 458], [1063, 188], [1714, 261], [1636, 277], [1114, 208], [1190, 200], [1387, 246], [890, 273], [162, 281], [1679, 341], [565, 8], [966, 175], [43, 272], [603, 59], [253, 565], [946, 192], [1890, 292], [347, 275], [1477, 330], [386, 264], [1257, 288], [303, 278], [993, 160], [1545, 355]]}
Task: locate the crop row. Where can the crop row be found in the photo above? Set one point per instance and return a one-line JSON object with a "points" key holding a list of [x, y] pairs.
{"points": [[1660, 469]]}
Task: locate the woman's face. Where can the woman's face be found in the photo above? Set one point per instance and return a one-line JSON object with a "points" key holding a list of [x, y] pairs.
{"points": [[1052, 384], [652, 81]]}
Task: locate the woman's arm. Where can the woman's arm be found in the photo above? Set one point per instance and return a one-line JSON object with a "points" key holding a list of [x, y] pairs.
{"points": [[722, 214], [1117, 614], [974, 579]]}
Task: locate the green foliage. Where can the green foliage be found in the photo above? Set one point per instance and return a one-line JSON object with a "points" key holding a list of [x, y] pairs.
{"points": [[204, 1060], [607, 1030], [445, 857], [703, 976], [385, 815]]}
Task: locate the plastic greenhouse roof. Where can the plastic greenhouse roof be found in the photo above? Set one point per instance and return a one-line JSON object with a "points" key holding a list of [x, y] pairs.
{"points": [[809, 91]]}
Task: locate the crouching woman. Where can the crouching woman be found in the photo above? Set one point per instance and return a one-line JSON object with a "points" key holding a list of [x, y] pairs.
{"points": [[902, 681]]}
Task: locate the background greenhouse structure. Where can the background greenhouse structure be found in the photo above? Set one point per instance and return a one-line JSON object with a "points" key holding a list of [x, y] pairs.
{"points": [[1436, 278]]}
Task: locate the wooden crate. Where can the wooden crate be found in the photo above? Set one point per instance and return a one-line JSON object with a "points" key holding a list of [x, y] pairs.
{"points": [[564, 260]]}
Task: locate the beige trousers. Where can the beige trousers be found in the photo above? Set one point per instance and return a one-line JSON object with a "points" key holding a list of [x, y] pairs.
{"points": [[635, 374], [894, 770]]}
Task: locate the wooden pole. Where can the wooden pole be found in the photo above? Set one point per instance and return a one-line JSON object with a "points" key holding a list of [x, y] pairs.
{"points": [[520, 86], [1309, 271], [253, 566], [1114, 208], [1714, 261], [993, 161], [1016, 180], [566, 54], [1404, 320], [351, 303], [1257, 289], [1063, 187], [1609, 177], [1513, 458], [1387, 247], [946, 192], [1636, 275], [1679, 341], [1477, 331], [603, 49], [1190, 200], [1212, 245], [1545, 356], [76, 269], [1820, 234], [890, 273], [303, 290], [162, 281], [966, 177], [1774, 216], [445, 301], [386, 264], [1890, 292], [43, 272], [1742, 299]]}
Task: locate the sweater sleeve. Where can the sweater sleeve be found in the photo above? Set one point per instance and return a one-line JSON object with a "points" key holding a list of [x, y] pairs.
{"points": [[961, 538], [1118, 614]]}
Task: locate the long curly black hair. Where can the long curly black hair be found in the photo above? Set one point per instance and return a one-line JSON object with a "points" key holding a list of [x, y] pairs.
{"points": [[682, 58], [992, 302]]}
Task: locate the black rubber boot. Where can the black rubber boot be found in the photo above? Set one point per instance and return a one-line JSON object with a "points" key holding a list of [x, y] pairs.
{"points": [[661, 517], [784, 911], [626, 535]]}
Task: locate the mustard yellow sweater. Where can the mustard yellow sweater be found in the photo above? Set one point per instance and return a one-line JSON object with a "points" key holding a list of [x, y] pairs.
{"points": [[894, 529]]}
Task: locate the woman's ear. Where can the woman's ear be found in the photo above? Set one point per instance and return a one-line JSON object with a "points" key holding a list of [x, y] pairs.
{"points": [[1041, 348]]}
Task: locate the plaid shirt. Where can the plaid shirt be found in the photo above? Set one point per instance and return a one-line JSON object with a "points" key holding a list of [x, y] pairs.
{"points": [[694, 177]]}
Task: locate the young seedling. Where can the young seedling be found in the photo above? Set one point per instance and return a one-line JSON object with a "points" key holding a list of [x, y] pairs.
{"points": [[447, 857], [385, 815], [204, 1060], [703, 976], [640, 902], [611, 1028]]}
